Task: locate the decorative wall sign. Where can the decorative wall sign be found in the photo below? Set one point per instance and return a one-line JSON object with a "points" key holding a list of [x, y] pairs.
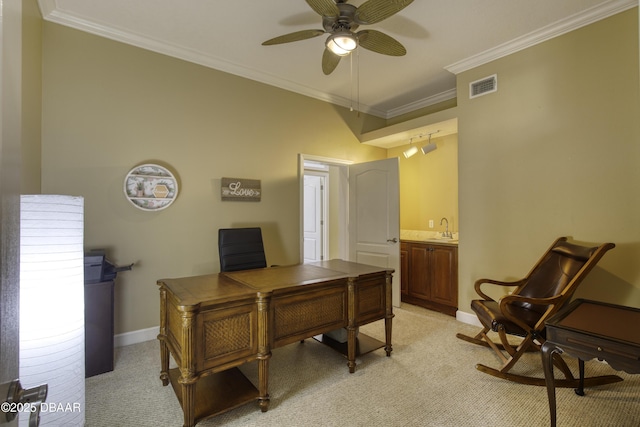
{"points": [[150, 187], [241, 189]]}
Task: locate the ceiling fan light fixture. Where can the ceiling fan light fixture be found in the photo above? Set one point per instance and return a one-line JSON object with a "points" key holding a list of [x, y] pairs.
{"points": [[342, 43]]}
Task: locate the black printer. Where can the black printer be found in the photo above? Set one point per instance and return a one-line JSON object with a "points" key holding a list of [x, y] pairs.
{"points": [[97, 268]]}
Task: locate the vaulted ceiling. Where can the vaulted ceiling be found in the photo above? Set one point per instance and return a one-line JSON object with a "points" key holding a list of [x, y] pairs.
{"points": [[442, 38]]}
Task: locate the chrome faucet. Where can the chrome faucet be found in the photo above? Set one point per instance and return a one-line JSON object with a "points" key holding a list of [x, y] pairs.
{"points": [[446, 233]]}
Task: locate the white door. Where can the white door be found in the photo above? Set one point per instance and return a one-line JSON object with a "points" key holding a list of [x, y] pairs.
{"points": [[314, 217], [374, 217]]}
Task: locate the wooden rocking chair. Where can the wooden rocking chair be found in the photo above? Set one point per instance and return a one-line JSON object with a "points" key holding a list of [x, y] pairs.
{"points": [[546, 289]]}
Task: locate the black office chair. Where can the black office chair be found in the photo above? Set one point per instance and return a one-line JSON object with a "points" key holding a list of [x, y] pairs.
{"points": [[241, 249]]}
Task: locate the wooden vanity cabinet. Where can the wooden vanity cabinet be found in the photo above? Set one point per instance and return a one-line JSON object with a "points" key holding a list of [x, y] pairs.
{"points": [[430, 275]]}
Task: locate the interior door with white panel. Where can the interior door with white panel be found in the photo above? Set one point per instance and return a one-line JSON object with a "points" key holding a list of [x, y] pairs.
{"points": [[374, 217]]}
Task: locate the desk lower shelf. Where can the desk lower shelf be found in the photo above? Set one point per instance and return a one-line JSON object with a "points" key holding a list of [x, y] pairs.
{"points": [[217, 393], [364, 344]]}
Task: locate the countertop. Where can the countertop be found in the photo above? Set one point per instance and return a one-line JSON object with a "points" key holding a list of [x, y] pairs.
{"points": [[434, 237]]}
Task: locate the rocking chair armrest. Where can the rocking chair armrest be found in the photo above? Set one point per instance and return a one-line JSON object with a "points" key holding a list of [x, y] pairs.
{"points": [[479, 283]]}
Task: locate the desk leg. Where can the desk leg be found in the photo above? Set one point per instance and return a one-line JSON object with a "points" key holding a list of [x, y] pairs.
{"points": [[387, 329], [352, 345], [164, 350], [164, 362], [580, 390], [548, 350], [264, 351], [188, 378], [389, 314], [263, 380], [188, 386], [352, 329]]}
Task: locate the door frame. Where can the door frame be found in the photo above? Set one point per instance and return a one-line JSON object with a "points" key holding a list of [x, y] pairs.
{"points": [[10, 173], [343, 197], [323, 211]]}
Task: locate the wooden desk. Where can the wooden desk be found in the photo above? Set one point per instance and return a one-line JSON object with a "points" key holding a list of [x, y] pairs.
{"points": [[591, 329], [212, 324]]}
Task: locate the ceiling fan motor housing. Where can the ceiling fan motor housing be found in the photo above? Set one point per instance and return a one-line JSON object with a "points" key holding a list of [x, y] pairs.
{"points": [[343, 22]]}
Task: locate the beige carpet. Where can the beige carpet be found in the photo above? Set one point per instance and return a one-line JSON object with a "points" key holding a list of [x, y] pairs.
{"points": [[430, 380]]}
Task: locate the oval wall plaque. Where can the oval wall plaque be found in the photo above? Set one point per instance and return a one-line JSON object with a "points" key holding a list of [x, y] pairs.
{"points": [[150, 187]]}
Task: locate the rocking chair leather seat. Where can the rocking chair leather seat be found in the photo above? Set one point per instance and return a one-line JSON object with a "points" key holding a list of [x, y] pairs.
{"points": [[545, 290], [489, 313]]}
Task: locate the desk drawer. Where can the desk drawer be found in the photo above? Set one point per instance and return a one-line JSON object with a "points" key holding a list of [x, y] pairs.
{"points": [[370, 300], [618, 355], [306, 314], [226, 336]]}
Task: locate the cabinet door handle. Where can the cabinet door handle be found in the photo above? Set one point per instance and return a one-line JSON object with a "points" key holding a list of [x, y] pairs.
{"points": [[394, 240]]}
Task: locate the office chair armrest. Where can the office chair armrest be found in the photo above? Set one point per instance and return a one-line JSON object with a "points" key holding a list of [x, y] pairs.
{"points": [[479, 283]]}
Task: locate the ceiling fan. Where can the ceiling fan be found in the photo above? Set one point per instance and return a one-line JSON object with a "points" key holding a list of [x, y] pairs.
{"points": [[340, 19]]}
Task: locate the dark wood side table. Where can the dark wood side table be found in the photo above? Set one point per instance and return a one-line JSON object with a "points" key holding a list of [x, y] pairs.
{"points": [[591, 329]]}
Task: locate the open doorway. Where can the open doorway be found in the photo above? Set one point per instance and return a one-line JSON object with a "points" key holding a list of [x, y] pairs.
{"points": [[324, 209], [361, 213]]}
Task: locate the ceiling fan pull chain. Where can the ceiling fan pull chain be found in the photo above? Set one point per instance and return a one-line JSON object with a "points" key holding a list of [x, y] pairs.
{"points": [[355, 79], [358, 81], [351, 81]]}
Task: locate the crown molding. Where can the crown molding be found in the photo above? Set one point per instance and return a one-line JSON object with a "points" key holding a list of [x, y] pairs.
{"points": [[51, 13], [555, 29], [425, 102]]}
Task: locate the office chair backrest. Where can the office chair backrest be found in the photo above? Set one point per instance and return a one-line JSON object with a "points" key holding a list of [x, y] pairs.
{"points": [[241, 249]]}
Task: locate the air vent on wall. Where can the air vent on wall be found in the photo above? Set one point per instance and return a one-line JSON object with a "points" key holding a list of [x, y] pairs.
{"points": [[483, 86]]}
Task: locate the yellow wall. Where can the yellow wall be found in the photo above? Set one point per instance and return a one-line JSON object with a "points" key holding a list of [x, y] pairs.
{"points": [[31, 96], [429, 185], [556, 151], [553, 152], [108, 107]]}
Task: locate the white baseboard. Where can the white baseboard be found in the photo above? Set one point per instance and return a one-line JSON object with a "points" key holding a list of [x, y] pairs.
{"points": [[469, 318], [136, 337]]}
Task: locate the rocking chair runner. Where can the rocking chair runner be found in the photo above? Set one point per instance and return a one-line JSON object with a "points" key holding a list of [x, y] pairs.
{"points": [[546, 289]]}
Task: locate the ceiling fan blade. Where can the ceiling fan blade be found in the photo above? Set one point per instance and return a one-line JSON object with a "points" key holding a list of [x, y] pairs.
{"points": [[373, 11], [329, 61], [381, 43], [294, 37], [326, 8]]}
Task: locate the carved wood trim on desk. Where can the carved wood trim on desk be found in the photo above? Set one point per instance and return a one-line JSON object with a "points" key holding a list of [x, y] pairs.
{"points": [[213, 324]]}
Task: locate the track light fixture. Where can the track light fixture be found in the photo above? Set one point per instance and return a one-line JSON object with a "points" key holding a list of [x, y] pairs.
{"points": [[429, 147], [410, 151], [425, 149]]}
